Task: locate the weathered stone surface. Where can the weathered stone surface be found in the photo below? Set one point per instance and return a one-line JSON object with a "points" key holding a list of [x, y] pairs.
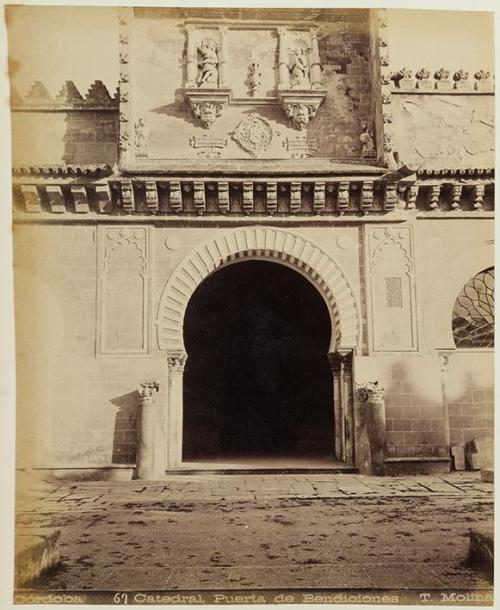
{"points": [[441, 132]]}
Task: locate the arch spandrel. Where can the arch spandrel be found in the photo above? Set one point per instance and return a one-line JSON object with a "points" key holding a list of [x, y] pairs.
{"points": [[266, 243]]}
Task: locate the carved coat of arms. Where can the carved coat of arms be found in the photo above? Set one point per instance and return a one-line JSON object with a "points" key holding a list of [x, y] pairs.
{"points": [[253, 134]]}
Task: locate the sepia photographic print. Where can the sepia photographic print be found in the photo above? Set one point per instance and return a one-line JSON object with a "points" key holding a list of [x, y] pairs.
{"points": [[253, 254]]}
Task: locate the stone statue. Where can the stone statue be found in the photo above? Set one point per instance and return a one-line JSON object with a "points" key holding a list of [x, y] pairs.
{"points": [[209, 64], [366, 139], [299, 69], [300, 114]]}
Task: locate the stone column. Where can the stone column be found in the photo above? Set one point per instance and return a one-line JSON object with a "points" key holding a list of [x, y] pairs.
{"points": [[175, 369], [444, 356], [283, 71], [338, 416], [147, 423], [341, 365], [191, 58], [223, 58], [372, 433], [315, 65]]}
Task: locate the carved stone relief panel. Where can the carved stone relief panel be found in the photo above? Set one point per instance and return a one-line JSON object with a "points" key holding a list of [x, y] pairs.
{"points": [[391, 289], [123, 290]]}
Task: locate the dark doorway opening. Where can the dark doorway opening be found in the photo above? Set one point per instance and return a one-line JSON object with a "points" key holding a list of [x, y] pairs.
{"points": [[257, 381]]}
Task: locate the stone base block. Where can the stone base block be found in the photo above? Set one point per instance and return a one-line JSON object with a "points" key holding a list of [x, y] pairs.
{"points": [[488, 476], [96, 473], [481, 553], [36, 552], [417, 465]]}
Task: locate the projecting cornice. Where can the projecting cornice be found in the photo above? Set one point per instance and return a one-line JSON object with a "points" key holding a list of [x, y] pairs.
{"points": [[237, 197]]}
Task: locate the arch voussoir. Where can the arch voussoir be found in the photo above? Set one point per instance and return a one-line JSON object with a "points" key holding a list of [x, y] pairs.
{"points": [[267, 243]]}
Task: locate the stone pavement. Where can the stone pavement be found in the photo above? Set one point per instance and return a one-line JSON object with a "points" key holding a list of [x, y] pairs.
{"points": [[213, 532]]}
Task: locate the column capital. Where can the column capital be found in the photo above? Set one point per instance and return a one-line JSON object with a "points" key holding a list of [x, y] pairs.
{"points": [[370, 391], [176, 361], [444, 357], [340, 357], [148, 389], [314, 31]]}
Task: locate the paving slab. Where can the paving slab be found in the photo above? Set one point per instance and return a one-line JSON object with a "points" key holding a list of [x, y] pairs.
{"points": [[288, 531]]}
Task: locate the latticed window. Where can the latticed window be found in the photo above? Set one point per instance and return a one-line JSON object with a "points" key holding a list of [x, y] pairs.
{"points": [[474, 312]]}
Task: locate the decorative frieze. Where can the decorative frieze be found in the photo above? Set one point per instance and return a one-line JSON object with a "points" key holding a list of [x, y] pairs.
{"points": [[371, 196], [422, 83]]}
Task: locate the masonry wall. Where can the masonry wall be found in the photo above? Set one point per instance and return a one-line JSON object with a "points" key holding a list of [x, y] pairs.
{"points": [[77, 395], [72, 137]]}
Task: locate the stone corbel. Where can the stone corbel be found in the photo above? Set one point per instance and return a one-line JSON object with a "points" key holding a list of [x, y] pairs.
{"points": [[301, 106], [208, 104]]}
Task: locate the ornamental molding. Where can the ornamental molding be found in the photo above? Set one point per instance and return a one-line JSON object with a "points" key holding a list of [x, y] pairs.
{"points": [[254, 134]]}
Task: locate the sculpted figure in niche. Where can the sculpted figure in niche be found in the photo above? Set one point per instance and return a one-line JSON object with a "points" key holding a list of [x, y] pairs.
{"points": [[299, 69], [366, 139], [209, 63]]}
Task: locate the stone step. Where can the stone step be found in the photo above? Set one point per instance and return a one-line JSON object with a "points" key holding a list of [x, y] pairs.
{"points": [[36, 551]]}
